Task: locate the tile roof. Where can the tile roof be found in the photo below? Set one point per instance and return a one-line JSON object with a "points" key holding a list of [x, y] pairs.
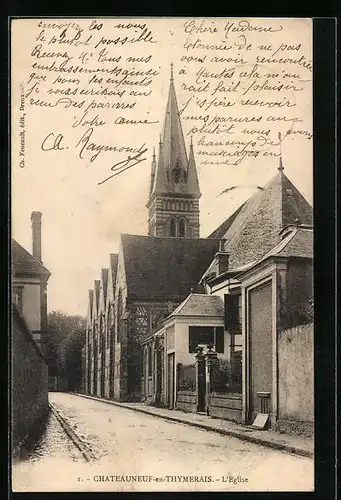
{"points": [[104, 279], [91, 299], [298, 243], [165, 268], [200, 305], [220, 232], [255, 226], [113, 267], [97, 285], [24, 264]]}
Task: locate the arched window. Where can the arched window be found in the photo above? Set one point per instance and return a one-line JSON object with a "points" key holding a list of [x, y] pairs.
{"points": [[182, 228], [172, 228]]}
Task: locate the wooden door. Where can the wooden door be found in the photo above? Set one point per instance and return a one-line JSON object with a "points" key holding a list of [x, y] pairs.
{"points": [[260, 345], [171, 377]]}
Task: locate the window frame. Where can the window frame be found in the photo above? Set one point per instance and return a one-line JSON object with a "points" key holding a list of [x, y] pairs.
{"points": [[191, 344]]}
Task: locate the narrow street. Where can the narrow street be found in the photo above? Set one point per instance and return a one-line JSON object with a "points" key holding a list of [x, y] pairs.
{"points": [[127, 443]]}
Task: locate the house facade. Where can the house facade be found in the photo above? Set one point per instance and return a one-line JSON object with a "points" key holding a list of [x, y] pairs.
{"points": [[29, 282], [199, 323], [277, 294], [29, 370], [151, 274], [263, 275]]}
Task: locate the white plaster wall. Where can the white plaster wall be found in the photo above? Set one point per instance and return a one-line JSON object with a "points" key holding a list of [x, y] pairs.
{"points": [[31, 306], [182, 339]]}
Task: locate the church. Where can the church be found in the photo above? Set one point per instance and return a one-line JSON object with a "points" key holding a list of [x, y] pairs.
{"points": [[151, 275], [245, 291]]}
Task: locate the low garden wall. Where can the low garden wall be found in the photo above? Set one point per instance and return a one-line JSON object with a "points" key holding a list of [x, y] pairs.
{"points": [[186, 401], [226, 406]]}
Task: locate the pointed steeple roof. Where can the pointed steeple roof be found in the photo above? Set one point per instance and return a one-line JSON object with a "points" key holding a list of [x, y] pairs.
{"points": [[97, 286], [172, 153], [160, 182], [254, 230], [152, 172], [192, 175], [90, 310], [173, 141], [104, 279]]}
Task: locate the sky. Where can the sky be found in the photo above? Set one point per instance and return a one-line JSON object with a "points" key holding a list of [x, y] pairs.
{"points": [[82, 221]]}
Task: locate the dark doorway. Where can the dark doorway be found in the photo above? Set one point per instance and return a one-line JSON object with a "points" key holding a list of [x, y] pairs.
{"points": [[201, 386], [171, 376]]}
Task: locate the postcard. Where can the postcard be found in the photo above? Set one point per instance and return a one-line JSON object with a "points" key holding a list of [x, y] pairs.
{"points": [[162, 254]]}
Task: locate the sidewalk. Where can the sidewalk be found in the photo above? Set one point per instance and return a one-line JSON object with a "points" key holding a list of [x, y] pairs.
{"points": [[298, 445]]}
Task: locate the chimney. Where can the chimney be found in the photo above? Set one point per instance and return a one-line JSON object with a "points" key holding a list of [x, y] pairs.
{"points": [[222, 258], [36, 235]]}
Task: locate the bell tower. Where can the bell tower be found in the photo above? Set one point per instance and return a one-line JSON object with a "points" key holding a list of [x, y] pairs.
{"points": [[174, 188]]}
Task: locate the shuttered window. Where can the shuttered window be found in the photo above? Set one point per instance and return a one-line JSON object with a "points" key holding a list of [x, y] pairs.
{"points": [[205, 335], [232, 313]]}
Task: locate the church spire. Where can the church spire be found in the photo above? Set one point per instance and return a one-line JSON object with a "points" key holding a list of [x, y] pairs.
{"points": [[174, 196], [174, 162], [192, 175], [152, 173], [280, 167]]}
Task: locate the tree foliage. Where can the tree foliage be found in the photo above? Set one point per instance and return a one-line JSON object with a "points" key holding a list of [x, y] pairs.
{"points": [[64, 345]]}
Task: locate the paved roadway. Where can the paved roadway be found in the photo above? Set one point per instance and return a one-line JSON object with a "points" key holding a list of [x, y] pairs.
{"points": [[139, 452]]}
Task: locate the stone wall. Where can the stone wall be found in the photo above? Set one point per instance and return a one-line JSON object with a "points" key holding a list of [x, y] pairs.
{"points": [[296, 380], [29, 401], [186, 401], [226, 406]]}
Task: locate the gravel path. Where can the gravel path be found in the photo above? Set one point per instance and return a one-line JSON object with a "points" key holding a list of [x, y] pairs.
{"points": [[138, 452]]}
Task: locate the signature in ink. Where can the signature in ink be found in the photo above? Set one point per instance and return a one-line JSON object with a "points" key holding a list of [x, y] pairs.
{"points": [[123, 165], [52, 142]]}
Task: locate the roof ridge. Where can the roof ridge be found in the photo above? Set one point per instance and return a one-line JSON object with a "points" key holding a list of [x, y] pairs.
{"points": [[183, 303], [28, 254], [283, 243]]}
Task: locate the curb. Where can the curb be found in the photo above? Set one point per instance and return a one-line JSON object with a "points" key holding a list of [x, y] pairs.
{"points": [[72, 435], [296, 450]]}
